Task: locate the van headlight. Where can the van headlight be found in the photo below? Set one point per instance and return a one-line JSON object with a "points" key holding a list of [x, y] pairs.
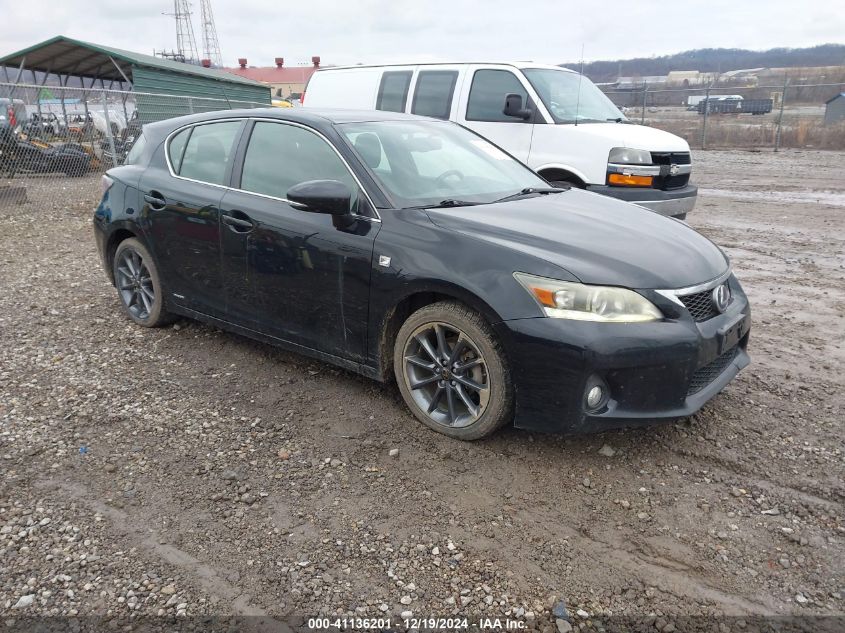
{"points": [[629, 156], [569, 300]]}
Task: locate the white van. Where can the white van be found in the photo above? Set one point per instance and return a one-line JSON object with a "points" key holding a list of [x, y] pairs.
{"points": [[553, 119]]}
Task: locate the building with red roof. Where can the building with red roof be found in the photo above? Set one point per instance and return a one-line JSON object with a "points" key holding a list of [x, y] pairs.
{"points": [[284, 81]]}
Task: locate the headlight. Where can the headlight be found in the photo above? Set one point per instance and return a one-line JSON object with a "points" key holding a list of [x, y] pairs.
{"points": [[628, 156], [569, 300]]}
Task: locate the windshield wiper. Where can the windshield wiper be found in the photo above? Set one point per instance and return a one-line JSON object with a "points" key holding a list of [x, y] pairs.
{"points": [[529, 190], [444, 204], [619, 120]]}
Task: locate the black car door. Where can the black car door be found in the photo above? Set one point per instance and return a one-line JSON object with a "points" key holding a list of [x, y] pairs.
{"points": [[289, 273], [181, 213]]}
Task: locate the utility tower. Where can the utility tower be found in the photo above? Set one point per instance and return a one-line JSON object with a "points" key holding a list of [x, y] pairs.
{"points": [[186, 44], [210, 43]]}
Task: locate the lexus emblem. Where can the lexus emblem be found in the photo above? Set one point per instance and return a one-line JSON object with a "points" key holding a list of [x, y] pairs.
{"points": [[721, 297], [674, 169]]}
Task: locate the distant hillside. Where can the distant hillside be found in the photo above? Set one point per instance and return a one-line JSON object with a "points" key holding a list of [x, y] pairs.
{"points": [[714, 60]]}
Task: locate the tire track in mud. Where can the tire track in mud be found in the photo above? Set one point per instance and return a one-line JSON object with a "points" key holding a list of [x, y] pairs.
{"points": [[204, 575], [670, 576]]}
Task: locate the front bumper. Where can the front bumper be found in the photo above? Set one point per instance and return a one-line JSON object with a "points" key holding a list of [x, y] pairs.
{"points": [[671, 202], [650, 369]]}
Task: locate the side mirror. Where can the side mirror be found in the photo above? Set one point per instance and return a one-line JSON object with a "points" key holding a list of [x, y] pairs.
{"points": [[513, 107], [321, 196]]}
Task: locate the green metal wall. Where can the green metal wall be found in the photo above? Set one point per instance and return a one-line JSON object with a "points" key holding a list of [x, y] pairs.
{"points": [[175, 94]]}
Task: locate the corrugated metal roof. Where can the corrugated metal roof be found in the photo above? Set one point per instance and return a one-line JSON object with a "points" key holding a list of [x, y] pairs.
{"points": [[65, 55]]}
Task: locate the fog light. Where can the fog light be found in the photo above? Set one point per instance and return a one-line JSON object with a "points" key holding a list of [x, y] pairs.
{"points": [[595, 397]]}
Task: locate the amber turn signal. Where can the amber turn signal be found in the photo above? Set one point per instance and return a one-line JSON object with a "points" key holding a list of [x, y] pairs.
{"points": [[630, 181]]}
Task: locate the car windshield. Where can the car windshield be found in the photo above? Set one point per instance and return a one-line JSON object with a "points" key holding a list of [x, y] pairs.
{"points": [[572, 98], [427, 163]]}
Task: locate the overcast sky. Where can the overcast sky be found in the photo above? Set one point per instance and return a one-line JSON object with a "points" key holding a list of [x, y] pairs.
{"points": [[349, 31]]}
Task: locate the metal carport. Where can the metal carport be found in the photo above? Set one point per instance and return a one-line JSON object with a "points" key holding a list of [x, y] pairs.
{"points": [[163, 88]]}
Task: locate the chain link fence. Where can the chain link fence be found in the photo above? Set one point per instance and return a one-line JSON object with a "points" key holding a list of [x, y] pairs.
{"points": [[759, 117], [55, 140]]}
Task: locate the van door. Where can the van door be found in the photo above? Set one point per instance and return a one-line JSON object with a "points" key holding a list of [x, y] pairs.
{"points": [[437, 89], [481, 108]]}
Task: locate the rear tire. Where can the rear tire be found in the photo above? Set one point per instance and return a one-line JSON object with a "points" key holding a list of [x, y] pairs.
{"points": [[452, 371], [139, 285]]}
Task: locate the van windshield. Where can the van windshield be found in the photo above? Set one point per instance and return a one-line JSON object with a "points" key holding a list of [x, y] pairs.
{"points": [[426, 163], [559, 90]]}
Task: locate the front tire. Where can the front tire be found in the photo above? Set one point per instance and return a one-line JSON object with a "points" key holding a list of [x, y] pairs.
{"points": [[452, 371], [139, 285]]}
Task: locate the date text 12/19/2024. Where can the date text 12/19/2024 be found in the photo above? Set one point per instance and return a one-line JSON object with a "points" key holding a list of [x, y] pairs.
{"points": [[427, 623]]}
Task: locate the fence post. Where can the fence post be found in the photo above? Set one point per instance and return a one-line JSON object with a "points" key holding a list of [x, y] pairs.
{"points": [[704, 121], [780, 114], [645, 96], [109, 134], [191, 105]]}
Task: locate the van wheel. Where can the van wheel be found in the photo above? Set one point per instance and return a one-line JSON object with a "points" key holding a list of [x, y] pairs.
{"points": [[139, 285], [452, 371]]}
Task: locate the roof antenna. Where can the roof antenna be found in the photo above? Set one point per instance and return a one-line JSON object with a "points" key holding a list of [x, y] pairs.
{"points": [[580, 75]]}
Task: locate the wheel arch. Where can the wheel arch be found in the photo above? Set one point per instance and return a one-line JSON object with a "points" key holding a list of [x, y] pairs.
{"points": [[554, 173], [119, 233], [410, 301]]}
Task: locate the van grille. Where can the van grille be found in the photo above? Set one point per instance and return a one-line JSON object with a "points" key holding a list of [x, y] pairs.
{"points": [[670, 158]]}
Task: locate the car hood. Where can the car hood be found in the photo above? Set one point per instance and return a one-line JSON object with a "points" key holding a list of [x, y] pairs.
{"points": [[598, 240], [634, 136]]}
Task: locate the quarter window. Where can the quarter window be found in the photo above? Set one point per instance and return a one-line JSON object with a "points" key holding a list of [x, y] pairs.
{"points": [[176, 148], [487, 95], [136, 150], [280, 156], [393, 91], [207, 152], [433, 95]]}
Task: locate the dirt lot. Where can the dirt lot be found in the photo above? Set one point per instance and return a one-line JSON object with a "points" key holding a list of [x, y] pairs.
{"points": [[186, 471]]}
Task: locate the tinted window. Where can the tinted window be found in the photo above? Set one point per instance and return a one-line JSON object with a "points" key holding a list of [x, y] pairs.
{"points": [[433, 96], [393, 91], [280, 156], [176, 149], [208, 150], [487, 95]]}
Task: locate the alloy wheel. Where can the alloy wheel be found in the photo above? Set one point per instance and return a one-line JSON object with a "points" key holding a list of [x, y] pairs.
{"points": [[135, 284], [446, 374]]}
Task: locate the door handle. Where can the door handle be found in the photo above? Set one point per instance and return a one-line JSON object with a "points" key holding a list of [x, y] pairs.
{"points": [[155, 200], [238, 221]]}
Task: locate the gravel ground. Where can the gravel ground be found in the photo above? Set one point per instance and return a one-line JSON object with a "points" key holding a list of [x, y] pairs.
{"points": [[186, 471]]}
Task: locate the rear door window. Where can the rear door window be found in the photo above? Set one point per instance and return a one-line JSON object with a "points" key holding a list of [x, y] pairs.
{"points": [[433, 94], [393, 90], [487, 95], [206, 155]]}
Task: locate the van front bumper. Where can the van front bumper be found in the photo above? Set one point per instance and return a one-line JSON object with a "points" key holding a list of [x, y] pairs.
{"points": [[673, 202]]}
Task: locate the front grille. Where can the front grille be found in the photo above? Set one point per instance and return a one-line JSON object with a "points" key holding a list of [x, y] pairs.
{"points": [[703, 376], [700, 305], [669, 158]]}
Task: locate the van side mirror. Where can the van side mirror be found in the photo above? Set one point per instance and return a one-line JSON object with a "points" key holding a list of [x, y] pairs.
{"points": [[513, 107], [321, 196]]}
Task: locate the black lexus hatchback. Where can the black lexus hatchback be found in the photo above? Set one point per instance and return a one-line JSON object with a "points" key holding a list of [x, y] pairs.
{"points": [[395, 245]]}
